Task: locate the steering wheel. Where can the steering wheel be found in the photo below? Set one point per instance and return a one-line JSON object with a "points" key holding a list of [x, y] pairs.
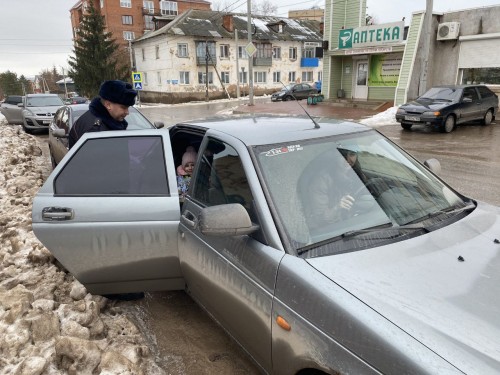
{"points": [[363, 205]]}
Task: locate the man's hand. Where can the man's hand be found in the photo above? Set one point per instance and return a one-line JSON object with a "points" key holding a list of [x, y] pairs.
{"points": [[346, 202]]}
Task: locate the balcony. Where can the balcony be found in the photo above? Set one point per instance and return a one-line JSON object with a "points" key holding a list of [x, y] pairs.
{"points": [[202, 60], [262, 61], [309, 62]]}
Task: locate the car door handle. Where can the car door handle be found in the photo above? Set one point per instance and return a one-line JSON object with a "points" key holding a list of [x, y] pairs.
{"points": [[57, 213], [188, 219]]}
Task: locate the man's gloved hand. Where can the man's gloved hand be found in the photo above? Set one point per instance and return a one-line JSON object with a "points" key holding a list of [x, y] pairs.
{"points": [[346, 202]]}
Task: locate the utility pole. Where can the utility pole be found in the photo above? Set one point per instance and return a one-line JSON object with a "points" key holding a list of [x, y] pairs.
{"points": [[422, 88], [131, 56], [250, 58], [65, 87], [206, 71], [237, 65]]}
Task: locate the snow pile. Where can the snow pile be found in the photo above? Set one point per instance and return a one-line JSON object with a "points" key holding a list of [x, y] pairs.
{"points": [[388, 117], [49, 324]]}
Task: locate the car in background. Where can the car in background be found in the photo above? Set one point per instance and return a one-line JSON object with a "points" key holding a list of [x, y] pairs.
{"points": [[38, 110], [76, 100], [294, 91], [66, 116], [10, 109], [444, 107], [405, 282]]}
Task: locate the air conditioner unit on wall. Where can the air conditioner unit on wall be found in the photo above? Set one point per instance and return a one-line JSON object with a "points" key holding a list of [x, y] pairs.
{"points": [[448, 30]]}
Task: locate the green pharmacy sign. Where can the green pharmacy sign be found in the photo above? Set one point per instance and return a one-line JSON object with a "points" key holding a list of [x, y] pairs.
{"points": [[371, 36]]}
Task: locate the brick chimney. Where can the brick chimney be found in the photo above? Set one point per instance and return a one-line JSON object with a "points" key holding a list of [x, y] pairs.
{"points": [[227, 22]]}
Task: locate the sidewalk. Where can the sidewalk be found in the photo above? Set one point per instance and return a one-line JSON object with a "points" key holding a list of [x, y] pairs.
{"points": [[323, 109]]}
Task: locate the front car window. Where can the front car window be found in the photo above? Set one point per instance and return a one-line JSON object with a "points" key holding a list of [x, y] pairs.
{"points": [[44, 101], [391, 197], [448, 94]]}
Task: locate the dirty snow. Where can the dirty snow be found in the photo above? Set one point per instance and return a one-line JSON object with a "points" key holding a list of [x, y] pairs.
{"points": [[49, 324]]}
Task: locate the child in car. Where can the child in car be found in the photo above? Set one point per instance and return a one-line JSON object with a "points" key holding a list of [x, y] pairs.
{"points": [[184, 172]]}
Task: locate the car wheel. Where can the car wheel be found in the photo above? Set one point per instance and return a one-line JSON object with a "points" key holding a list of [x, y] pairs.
{"points": [[488, 117], [406, 126], [287, 98], [26, 130], [52, 160], [449, 124]]}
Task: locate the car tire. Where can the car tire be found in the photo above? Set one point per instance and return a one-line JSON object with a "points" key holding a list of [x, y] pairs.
{"points": [[287, 98], [406, 126], [488, 117], [449, 124]]}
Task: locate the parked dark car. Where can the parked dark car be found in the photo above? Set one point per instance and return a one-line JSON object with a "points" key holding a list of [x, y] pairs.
{"points": [[405, 282], [444, 107], [76, 100], [66, 116], [294, 91]]}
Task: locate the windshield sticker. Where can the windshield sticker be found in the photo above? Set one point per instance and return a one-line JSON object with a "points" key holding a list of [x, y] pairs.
{"points": [[283, 150]]}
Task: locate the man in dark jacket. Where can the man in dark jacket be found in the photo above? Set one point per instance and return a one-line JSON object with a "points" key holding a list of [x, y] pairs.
{"points": [[106, 111]]}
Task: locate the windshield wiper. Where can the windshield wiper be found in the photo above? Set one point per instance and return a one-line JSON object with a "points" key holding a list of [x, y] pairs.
{"points": [[395, 230], [449, 211], [443, 99]]}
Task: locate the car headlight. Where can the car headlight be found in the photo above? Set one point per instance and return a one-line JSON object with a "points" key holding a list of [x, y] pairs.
{"points": [[401, 111], [27, 112], [430, 113]]}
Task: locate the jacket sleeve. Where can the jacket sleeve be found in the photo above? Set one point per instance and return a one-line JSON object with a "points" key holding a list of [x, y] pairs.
{"points": [[325, 201]]}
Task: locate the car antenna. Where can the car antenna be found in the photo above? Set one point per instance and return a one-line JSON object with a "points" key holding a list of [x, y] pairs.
{"points": [[316, 125]]}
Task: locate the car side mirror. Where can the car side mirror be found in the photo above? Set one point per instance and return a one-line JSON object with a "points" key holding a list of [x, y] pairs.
{"points": [[159, 124], [59, 133], [20, 104], [433, 165], [226, 220], [467, 100]]}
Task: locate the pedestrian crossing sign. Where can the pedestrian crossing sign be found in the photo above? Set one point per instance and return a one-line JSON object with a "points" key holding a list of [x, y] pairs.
{"points": [[138, 85], [137, 77]]}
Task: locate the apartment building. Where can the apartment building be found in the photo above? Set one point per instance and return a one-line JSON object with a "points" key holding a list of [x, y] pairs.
{"points": [[130, 19]]}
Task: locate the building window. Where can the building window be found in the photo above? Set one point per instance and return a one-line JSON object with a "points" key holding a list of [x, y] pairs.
{"points": [[202, 78], [102, 3], [224, 51], [291, 77], [157, 52], [127, 20], [184, 78], [143, 54], [126, 3], [242, 52], [481, 75], [145, 78], [148, 23], [224, 77], [149, 6], [320, 76], [168, 8], [309, 52], [128, 35], [243, 77], [158, 78], [201, 51], [276, 77], [260, 77], [264, 50], [182, 50], [277, 53], [307, 76], [292, 53]]}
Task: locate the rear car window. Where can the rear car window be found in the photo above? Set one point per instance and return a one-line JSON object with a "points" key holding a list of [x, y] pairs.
{"points": [[485, 92], [14, 99]]}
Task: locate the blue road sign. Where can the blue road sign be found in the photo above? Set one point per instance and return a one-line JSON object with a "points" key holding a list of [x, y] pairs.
{"points": [[138, 85]]}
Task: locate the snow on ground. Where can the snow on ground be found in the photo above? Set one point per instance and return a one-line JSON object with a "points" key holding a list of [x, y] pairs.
{"points": [[49, 324]]}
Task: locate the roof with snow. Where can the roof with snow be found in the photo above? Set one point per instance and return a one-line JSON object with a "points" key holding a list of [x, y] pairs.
{"points": [[208, 24]]}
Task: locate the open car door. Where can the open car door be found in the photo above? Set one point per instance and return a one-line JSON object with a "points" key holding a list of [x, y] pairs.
{"points": [[109, 212]]}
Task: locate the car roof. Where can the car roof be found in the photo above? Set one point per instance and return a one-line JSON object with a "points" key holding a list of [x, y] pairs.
{"points": [[29, 95], [459, 86], [265, 129]]}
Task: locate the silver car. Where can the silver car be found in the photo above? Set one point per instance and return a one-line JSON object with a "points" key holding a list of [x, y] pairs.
{"points": [[406, 281], [38, 111], [11, 111]]}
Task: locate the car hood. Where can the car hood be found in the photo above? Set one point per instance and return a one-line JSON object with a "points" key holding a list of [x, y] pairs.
{"points": [[45, 110], [442, 288], [421, 106]]}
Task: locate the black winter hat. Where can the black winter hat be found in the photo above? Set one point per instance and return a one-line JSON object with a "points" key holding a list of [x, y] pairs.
{"points": [[118, 92]]}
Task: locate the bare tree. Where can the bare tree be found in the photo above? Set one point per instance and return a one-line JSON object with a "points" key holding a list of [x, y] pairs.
{"points": [[264, 8]]}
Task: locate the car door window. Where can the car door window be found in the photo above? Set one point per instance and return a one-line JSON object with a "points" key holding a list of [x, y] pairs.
{"points": [[221, 178], [470, 93], [115, 166]]}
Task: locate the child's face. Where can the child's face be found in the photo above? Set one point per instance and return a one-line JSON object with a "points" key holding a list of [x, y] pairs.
{"points": [[188, 168]]}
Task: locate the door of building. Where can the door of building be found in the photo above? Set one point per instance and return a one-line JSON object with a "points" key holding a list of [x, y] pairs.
{"points": [[361, 80]]}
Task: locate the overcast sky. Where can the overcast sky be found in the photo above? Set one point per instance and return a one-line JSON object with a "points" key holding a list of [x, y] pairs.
{"points": [[35, 35]]}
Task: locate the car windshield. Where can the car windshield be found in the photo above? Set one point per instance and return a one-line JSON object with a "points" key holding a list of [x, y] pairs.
{"points": [[287, 88], [44, 101], [442, 93], [391, 196]]}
